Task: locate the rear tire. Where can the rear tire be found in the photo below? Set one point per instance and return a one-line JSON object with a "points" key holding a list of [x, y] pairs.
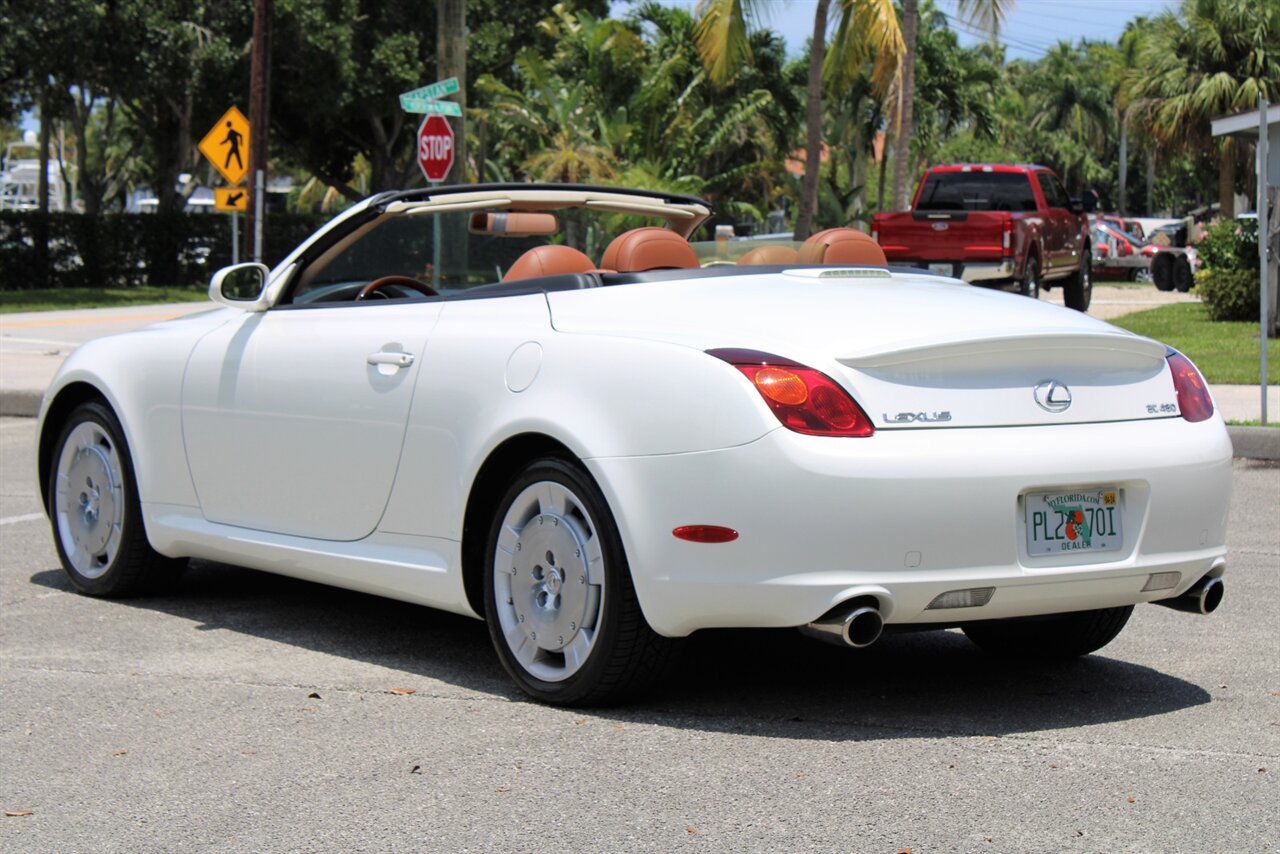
{"points": [[1031, 277], [1162, 272], [561, 608], [1077, 290], [95, 512], [1058, 636]]}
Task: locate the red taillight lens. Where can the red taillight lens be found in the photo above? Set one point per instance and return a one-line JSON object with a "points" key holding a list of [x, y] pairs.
{"points": [[805, 400], [1193, 394]]}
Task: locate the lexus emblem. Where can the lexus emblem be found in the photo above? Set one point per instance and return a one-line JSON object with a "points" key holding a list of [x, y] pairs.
{"points": [[1053, 396]]}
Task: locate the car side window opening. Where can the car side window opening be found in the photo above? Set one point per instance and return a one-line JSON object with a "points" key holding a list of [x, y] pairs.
{"points": [[1054, 195], [438, 250]]}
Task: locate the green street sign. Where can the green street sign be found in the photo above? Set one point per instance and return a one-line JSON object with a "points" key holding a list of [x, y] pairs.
{"points": [[439, 89], [422, 105]]}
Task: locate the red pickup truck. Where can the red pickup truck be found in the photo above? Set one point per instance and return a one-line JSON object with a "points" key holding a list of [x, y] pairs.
{"points": [[994, 225]]}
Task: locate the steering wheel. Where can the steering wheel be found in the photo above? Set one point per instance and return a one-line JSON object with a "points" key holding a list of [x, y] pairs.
{"points": [[407, 281]]}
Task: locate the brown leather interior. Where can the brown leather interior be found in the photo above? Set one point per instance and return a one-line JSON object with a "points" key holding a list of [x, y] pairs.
{"points": [[770, 255], [649, 248], [548, 261], [843, 246]]}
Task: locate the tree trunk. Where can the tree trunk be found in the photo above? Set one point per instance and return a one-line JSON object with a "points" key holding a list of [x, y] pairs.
{"points": [[1227, 179], [42, 194], [906, 115], [1151, 180], [451, 61], [880, 187], [813, 125], [1122, 202]]}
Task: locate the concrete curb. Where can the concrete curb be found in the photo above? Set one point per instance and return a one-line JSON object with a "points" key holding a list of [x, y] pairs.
{"points": [[1255, 443], [20, 402]]}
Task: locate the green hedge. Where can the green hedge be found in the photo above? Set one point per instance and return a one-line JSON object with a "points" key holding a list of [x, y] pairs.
{"points": [[1229, 294], [64, 250]]}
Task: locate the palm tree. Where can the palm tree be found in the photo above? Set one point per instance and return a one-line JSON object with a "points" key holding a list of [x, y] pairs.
{"points": [[865, 27], [1214, 58], [985, 14]]}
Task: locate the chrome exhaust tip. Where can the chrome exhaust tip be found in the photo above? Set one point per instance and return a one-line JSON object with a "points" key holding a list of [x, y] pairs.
{"points": [[1203, 597], [857, 626]]}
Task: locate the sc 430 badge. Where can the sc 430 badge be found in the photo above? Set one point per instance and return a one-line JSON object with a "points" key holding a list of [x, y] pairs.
{"points": [[916, 417]]}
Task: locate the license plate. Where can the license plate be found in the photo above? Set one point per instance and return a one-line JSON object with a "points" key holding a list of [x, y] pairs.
{"points": [[1072, 521], [941, 269]]}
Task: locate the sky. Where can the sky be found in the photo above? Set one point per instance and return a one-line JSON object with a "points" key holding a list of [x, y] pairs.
{"points": [[1031, 28]]}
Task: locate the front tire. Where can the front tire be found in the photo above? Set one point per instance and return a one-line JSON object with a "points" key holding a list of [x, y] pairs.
{"points": [[95, 511], [1058, 636], [561, 607]]}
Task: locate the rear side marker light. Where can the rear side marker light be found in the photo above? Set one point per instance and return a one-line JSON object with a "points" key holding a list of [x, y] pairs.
{"points": [[705, 534], [974, 597], [803, 399], [1194, 401]]}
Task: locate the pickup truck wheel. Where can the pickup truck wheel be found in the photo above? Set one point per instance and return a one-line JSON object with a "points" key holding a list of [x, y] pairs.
{"points": [[1162, 271], [1031, 278], [1077, 291]]}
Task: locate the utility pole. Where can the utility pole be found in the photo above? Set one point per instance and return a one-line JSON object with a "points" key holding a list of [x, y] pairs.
{"points": [[451, 61], [259, 118]]}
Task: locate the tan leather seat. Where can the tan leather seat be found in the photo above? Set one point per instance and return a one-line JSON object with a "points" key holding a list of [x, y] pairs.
{"points": [[652, 248], [548, 261], [776, 254], [842, 246]]}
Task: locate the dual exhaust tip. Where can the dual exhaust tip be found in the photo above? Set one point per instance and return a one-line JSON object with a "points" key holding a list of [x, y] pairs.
{"points": [[1203, 597], [858, 623]]}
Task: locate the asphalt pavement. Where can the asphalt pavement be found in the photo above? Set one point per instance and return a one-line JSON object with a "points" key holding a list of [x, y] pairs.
{"points": [[33, 345], [246, 712]]}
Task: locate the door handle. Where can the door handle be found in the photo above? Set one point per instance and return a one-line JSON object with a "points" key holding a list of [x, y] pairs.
{"points": [[399, 360]]}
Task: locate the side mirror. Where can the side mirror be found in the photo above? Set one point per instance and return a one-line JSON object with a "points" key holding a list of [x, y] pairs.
{"points": [[241, 286], [1087, 203]]}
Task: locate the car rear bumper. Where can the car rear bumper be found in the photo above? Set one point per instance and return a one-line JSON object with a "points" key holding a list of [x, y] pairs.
{"points": [[907, 515], [967, 271]]}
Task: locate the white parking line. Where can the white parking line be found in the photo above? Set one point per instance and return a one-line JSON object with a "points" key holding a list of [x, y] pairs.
{"points": [[26, 517]]}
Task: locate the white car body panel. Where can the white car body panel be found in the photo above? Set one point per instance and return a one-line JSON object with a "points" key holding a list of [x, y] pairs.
{"points": [[268, 440]]}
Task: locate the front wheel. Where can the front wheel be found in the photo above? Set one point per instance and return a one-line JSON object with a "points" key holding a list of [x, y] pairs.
{"points": [[95, 512], [1053, 637], [559, 601]]}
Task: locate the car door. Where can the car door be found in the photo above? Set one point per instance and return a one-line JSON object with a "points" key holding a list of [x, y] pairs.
{"points": [[1058, 224], [294, 418]]}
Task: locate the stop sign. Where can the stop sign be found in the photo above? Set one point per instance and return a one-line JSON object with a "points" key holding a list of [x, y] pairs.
{"points": [[435, 148]]}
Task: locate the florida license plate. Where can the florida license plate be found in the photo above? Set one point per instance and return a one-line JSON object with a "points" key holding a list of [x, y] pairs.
{"points": [[1088, 520], [942, 269]]}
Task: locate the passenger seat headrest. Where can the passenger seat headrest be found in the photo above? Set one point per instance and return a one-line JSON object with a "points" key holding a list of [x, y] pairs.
{"points": [[842, 246], [650, 248], [549, 260], [776, 254]]}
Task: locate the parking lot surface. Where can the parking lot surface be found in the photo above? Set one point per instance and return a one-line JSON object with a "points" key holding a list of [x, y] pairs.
{"points": [[246, 712]]}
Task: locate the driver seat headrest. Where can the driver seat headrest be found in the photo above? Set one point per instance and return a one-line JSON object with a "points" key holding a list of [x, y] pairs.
{"points": [[550, 260], [650, 248]]}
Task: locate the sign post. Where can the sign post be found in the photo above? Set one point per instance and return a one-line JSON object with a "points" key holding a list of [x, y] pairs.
{"points": [[435, 144]]}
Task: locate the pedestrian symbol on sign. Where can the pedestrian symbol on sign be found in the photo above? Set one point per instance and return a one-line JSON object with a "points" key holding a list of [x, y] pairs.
{"points": [[232, 139]]}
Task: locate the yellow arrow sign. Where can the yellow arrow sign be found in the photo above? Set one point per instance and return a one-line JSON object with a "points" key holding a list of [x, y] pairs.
{"points": [[231, 199], [227, 146]]}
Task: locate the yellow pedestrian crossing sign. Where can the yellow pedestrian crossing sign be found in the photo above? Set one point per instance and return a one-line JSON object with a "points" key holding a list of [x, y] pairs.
{"points": [[231, 199], [227, 146]]}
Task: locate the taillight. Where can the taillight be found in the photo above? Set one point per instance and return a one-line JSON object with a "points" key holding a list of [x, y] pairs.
{"points": [[1193, 394], [804, 400]]}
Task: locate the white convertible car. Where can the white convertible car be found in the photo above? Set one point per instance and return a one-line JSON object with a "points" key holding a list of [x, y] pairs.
{"points": [[543, 406]]}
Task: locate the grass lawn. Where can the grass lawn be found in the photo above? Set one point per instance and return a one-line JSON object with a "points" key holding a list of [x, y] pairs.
{"points": [[1224, 352], [47, 300]]}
